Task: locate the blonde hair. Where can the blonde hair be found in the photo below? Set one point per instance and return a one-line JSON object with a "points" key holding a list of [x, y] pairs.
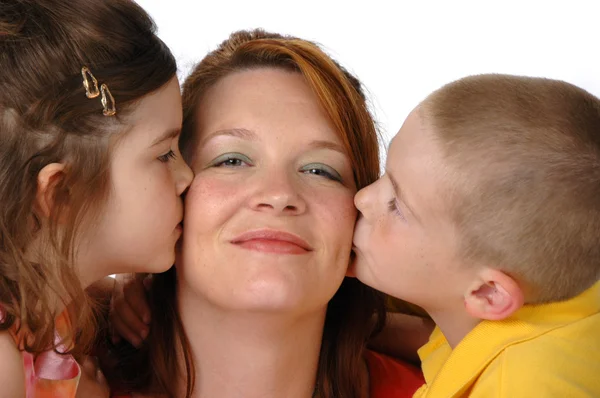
{"points": [[526, 199]]}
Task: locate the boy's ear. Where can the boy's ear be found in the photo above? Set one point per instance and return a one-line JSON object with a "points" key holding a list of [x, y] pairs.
{"points": [[47, 181], [494, 296]]}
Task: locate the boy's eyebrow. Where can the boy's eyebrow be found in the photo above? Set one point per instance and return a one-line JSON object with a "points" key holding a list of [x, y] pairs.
{"points": [[399, 194], [166, 136]]}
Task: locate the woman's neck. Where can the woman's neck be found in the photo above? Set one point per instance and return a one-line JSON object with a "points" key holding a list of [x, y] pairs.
{"points": [[251, 355]]}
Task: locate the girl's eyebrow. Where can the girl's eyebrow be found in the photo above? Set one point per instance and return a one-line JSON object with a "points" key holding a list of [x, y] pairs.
{"points": [[166, 136]]}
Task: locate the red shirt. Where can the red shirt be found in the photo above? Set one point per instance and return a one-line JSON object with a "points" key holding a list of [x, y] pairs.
{"points": [[390, 378]]}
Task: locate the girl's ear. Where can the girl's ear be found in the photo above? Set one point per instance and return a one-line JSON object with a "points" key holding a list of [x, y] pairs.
{"points": [[48, 179]]}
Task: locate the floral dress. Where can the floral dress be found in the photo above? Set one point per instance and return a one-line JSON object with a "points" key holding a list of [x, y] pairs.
{"points": [[51, 375]]}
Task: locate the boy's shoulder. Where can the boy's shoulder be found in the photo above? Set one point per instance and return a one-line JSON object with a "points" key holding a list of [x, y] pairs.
{"points": [[12, 374], [553, 354], [578, 338], [561, 362]]}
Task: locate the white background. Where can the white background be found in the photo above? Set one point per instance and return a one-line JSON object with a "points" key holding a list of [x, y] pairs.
{"points": [[402, 50]]}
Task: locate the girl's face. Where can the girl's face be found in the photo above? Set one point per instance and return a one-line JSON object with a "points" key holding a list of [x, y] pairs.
{"points": [[270, 213], [140, 224]]}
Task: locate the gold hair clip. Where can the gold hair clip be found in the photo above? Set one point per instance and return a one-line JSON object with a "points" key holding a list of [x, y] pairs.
{"points": [[108, 102], [91, 91]]}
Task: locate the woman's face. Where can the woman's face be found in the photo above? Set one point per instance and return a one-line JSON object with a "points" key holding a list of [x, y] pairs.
{"points": [[270, 215]]}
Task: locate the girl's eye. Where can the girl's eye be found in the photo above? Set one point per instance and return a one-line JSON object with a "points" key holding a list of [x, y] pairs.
{"points": [[231, 160], [167, 156], [322, 170], [394, 208]]}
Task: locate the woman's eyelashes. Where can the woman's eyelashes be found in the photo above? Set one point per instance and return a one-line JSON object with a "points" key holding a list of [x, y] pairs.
{"points": [[320, 169], [234, 160], [231, 160], [171, 155]]}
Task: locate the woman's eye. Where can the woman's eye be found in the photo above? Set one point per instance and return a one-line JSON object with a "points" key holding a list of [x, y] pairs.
{"points": [[323, 171], [230, 163], [231, 160], [167, 156]]}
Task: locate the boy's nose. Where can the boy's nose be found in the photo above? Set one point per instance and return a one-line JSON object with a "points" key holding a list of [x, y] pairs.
{"points": [[363, 201]]}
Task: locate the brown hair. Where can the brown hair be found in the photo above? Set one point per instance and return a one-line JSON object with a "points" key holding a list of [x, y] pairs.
{"points": [[526, 198], [350, 313], [45, 117]]}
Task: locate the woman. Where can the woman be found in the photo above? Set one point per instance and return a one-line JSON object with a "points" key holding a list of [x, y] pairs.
{"points": [[280, 139]]}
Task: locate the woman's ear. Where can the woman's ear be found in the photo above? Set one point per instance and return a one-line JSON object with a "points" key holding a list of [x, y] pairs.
{"points": [[47, 180], [494, 297]]}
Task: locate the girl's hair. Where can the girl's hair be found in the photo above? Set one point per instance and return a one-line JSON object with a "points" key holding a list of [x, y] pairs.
{"points": [[349, 322], [45, 118]]}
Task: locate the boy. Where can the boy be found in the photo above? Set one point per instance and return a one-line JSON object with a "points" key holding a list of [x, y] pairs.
{"points": [[488, 217]]}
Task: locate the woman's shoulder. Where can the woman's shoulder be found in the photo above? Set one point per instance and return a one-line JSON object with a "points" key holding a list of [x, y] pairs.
{"points": [[12, 373], [391, 378]]}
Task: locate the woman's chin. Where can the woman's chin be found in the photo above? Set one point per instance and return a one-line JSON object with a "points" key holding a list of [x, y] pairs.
{"points": [[271, 298]]}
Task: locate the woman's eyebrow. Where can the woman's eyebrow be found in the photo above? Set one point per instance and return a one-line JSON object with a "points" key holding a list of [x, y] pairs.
{"points": [[250, 135], [242, 133], [323, 144]]}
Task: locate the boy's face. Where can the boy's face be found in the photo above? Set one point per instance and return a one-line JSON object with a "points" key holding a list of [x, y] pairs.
{"points": [[404, 240]]}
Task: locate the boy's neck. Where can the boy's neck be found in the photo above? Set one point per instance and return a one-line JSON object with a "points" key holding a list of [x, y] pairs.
{"points": [[455, 325]]}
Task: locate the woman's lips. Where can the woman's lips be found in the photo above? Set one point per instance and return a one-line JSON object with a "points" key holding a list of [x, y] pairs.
{"points": [[272, 241]]}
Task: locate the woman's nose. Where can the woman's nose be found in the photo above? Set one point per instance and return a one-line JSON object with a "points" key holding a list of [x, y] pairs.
{"points": [[279, 193]]}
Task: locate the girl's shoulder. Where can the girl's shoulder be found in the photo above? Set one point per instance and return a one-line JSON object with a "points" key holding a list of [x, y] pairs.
{"points": [[49, 374], [12, 373]]}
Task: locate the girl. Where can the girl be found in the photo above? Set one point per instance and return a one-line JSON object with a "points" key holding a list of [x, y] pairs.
{"points": [[90, 174]]}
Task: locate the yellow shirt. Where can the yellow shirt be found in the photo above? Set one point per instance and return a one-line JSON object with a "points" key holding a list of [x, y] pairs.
{"points": [[550, 350]]}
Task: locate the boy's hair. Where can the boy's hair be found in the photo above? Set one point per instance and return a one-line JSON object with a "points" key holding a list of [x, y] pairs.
{"points": [[526, 198], [45, 117]]}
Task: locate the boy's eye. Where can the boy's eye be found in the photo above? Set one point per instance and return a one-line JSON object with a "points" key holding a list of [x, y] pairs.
{"points": [[394, 208], [167, 156]]}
